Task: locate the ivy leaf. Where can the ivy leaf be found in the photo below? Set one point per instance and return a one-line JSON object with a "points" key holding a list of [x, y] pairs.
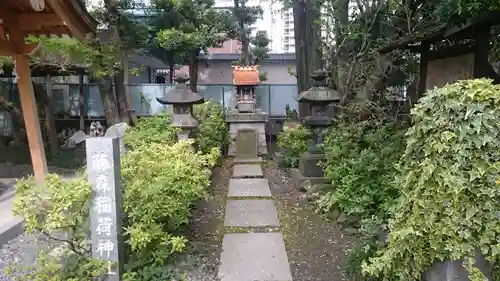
{"points": [[471, 211]]}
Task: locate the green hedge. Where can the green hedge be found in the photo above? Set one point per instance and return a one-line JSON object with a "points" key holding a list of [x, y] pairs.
{"points": [[360, 160], [450, 194], [212, 128], [294, 142], [162, 180]]}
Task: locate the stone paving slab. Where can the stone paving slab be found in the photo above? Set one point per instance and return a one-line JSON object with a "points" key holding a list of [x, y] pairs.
{"points": [[247, 213], [247, 171], [238, 160], [254, 257], [249, 188]]}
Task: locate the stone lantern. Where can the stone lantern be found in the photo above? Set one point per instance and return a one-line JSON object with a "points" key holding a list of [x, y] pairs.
{"points": [[319, 99], [182, 100]]}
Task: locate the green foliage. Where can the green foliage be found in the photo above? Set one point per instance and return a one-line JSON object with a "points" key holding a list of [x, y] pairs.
{"points": [[291, 115], [449, 184], [360, 159], [369, 242], [465, 9], [212, 131], [260, 47], [151, 130], [294, 142], [60, 206], [194, 26], [162, 180]]}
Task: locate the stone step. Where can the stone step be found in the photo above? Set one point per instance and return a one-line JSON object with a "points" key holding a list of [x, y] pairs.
{"points": [[247, 171], [239, 160], [254, 257], [249, 188], [10, 225], [249, 213]]}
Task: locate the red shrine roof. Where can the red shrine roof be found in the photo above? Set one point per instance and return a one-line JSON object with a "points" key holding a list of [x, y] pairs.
{"points": [[246, 75]]}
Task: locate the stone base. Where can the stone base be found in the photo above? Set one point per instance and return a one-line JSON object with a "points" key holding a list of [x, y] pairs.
{"points": [[308, 165], [260, 129], [246, 107], [237, 160], [454, 270], [279, 158], [299, 179]]}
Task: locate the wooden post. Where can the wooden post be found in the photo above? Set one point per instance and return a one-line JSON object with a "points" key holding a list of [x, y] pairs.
{"points": [[50, 121], [31, 122], [81, 102], [424, 60]]}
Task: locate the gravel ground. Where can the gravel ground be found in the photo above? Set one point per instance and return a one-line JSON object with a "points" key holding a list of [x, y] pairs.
{"points": [[316, 247], [205, 235], [21, 252], [23, 249], [207, 230]]}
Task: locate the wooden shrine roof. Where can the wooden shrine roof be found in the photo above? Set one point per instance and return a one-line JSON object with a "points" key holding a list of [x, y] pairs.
{"points": [[19, 19], [246, 75]]}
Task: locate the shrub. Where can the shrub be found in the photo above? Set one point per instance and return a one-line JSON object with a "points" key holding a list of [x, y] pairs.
{"points": [[160, 194], [450, 185], [152, 130], [58, 207], [212, 128], [162, 180], [294, 142], [360, 158]]}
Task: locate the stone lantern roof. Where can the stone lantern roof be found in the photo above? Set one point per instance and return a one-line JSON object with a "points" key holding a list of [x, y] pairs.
{"points": [[246, 75], [319, 93], [181, 95]]}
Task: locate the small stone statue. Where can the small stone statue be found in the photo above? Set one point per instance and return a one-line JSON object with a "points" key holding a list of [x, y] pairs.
{"points": [[96, 129]]}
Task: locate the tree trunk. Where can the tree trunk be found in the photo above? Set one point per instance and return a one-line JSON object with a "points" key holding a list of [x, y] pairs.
{"points": [[111, 110], [245, 45], [343, 69], [81, 102], [50, 122], [307, 46], [128, 97], [193, 72], [171, 68], [120, 96]]}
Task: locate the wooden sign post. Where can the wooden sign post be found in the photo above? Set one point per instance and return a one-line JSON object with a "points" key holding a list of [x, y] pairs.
{"points": [[106, 213]]}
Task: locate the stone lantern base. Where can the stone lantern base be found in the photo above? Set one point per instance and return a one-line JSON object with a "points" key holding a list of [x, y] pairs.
{"points": [[309, 172]]}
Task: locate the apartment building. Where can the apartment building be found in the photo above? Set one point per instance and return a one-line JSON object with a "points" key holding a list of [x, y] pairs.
{"points": [[288, 31]]}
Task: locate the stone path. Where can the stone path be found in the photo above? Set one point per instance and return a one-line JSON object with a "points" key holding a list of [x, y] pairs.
{"points": [[251, 255]]}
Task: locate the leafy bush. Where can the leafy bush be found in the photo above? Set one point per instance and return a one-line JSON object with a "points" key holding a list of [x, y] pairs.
{"points": [[450, 185], [369, 242], [58, 207], [212, 128], [294, 142], [360, 158], [159, 196], [162, 180], [151, 130]]}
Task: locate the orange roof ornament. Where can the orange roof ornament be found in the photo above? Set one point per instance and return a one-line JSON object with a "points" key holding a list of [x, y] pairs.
{"points": [[246, 75]]}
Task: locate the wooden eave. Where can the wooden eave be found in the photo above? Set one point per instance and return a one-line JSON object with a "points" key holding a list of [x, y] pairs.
{"points": [[18, 20]]}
